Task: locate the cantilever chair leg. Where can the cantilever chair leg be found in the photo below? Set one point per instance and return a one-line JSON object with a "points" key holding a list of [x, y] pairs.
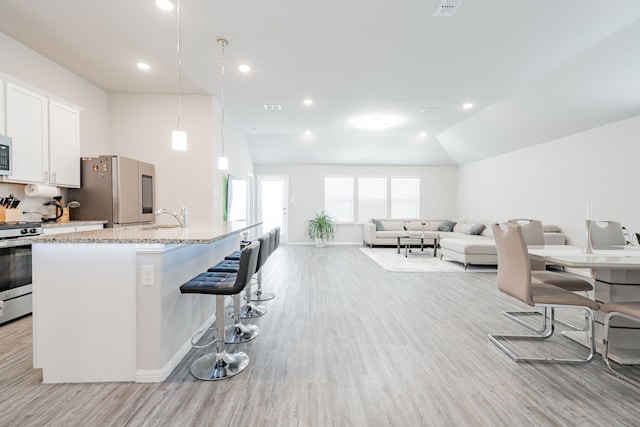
{"points": [[495, 338], [605, 350], [515, 316], [544, 326]]}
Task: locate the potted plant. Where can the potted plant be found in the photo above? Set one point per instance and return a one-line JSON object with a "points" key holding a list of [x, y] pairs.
{"points": [[321, 227]]}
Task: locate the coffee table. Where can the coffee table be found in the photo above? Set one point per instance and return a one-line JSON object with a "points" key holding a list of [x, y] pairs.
{"points": [[408, 240]]}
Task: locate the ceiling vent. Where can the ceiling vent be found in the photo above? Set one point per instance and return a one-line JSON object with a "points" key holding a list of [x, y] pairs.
{"points": [[272, 107], [447, 7]]}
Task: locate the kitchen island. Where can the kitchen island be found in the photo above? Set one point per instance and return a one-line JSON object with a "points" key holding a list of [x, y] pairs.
{"points": [[107, 304]]}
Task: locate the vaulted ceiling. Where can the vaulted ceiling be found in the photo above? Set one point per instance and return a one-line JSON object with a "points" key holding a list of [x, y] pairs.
{"points": [[533, 70]]}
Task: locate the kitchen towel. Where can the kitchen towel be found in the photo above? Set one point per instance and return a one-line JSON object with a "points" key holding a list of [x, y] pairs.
{"points": [[39, 190]]}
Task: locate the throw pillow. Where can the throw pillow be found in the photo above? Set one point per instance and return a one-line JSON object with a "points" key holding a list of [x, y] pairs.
{"points": [[446, 225], [475, 229], [378, 224]]}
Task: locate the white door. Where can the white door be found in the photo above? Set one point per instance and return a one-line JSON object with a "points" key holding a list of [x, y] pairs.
{"points": [[273, 193]]}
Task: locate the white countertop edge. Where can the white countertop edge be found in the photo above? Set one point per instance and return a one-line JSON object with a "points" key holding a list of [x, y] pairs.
{"points": [[197, 234]]}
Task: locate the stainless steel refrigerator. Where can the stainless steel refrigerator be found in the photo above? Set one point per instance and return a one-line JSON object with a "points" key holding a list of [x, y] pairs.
{"points": [[115, 189]]}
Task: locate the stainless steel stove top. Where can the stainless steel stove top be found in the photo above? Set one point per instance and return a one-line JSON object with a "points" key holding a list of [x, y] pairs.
{"points": [[13, 230]]}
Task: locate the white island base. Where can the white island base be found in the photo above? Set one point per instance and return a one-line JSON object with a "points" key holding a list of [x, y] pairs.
{"points": [[95, 319]]}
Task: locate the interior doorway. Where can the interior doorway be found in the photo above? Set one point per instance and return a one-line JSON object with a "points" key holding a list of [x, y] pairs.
{"points": [[273, 193]]}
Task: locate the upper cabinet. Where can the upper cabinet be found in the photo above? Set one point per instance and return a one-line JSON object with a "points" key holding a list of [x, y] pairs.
{"points": [[27, 125], [46, 137], [2, 126], [64, 145]]}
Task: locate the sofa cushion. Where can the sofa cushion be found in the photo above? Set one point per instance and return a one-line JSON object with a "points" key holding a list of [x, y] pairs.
{"points": [[475, 229], [388, 234], [470, 246], [446, 225], [378, 224], [391, 225]]}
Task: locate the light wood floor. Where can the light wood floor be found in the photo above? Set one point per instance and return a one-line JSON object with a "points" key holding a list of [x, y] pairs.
{"points": [[344, 344]]}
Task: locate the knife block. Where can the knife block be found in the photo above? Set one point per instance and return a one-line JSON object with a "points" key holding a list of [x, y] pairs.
{"points": [[65, 215], [10, 215]]}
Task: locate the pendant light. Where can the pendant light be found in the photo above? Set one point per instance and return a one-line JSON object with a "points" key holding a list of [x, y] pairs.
{"points": [[223, 162], [179, 137]]}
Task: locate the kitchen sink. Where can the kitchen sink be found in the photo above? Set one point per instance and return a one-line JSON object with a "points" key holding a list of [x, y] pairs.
{"points": [[160, 226]]}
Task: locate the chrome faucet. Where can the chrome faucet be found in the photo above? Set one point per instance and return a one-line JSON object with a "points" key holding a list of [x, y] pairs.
{"points": [[183, 217]]}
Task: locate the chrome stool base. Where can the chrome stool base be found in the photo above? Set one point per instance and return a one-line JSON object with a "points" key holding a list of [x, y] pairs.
{"points": [[239, 333], [219, 366], [251, 310], [262, 295]]}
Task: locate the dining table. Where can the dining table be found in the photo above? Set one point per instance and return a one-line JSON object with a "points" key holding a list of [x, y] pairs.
{"points": [[615, 274]]}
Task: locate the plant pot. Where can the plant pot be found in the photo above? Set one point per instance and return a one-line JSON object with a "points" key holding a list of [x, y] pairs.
{"points": [[319, 243]]}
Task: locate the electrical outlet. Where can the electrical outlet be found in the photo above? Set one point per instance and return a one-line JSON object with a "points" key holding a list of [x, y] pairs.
{"points": [[146, 275]]}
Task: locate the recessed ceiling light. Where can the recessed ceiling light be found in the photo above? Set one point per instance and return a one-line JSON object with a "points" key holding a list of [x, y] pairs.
{"points": [[308, 101], [165, 5], [423, 134], [143, 66], [467, 106], [244, 68], [307, 132], [377, 122]]}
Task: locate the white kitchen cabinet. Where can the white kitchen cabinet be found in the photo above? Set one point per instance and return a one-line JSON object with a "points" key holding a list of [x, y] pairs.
{"points": [[64, 145], [27, 125], [2, 101], [45, 133]]}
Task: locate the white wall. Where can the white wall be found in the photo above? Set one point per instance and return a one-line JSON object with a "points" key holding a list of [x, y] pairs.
{"points": [[306, 192], [554, 181], [28, 66], [140, 127]]}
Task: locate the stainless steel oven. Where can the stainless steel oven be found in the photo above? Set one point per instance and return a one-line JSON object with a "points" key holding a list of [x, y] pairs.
{"points": [[15, 269]]}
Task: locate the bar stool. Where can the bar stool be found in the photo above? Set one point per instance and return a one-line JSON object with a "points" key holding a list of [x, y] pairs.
{"points": [[262, 294], [222, 364], [249, 310]]}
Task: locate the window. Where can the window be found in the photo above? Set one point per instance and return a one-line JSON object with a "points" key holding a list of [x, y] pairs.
{"points": [[338, 198], [372, 198], [405, 197]]}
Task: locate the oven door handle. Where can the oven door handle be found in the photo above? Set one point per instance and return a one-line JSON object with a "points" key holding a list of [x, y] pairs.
{"points": [[13, 243]]}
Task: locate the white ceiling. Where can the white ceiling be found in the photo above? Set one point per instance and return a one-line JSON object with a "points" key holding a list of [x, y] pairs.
{"points": [[535, 70]]}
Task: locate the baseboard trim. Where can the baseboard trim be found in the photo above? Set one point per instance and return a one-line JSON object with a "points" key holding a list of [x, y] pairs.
{"points": [[159, 375]]}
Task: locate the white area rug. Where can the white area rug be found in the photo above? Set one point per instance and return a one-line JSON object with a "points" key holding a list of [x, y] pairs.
{"points": [[418, 262]]}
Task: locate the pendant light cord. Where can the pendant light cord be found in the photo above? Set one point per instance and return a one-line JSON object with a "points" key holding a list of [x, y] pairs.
{"points": [[223, 42], [179, 69]]}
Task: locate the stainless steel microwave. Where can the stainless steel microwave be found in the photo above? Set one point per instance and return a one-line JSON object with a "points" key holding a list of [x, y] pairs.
{"points": [[5, 155]]}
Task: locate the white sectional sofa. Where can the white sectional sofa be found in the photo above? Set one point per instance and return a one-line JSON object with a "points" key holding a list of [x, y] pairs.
{"points": [[459, 244], [392, 227]]}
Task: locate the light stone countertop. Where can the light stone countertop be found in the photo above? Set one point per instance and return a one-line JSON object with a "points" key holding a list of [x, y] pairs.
{"points": [[158, 233]]}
